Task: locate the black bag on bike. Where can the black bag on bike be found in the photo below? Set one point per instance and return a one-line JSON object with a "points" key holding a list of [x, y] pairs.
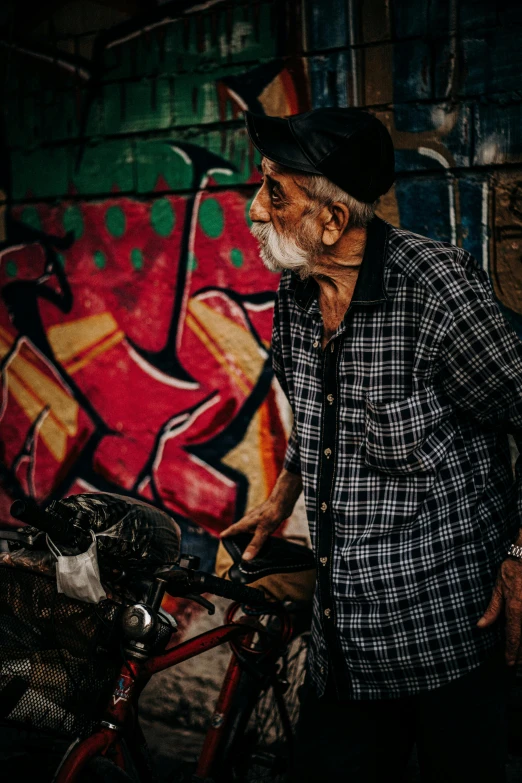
{"points": [[130, 534]]}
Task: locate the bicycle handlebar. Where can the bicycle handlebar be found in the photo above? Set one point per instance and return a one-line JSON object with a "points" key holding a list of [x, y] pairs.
{"points": [[64, 531], [182, 581], [226, 589]]}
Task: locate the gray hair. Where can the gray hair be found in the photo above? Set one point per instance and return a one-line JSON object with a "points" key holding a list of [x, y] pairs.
{"points": [[324, 192]]}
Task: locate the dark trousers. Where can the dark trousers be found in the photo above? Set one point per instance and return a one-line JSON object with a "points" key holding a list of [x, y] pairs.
{"points": [[459, 730]]}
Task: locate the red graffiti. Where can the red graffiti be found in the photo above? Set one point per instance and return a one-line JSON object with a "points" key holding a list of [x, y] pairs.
{"points": [[91, 402]]}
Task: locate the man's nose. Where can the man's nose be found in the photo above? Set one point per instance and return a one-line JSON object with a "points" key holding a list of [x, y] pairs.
{"points": [[258, 211]]}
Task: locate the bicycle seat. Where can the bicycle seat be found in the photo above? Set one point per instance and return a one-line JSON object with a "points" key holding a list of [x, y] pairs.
{"points": [[277, 556]]}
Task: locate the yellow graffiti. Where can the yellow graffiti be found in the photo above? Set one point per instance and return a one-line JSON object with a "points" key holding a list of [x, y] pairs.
{"points": [[34, 391], [257, 447], [273, 99], [244, 458], [231, 345], [76, 343], [236, 350]]}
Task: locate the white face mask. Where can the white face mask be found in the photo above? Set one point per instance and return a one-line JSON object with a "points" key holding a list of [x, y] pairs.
{"points": [[78, 576]]}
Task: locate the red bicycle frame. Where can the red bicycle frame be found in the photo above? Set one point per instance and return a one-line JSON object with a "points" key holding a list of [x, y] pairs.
{"points": [[135, 674]]}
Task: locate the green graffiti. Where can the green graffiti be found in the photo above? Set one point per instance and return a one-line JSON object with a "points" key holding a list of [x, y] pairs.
{"points": [[73, 221], [61, 259], [147, 106], [162, 217], [115, 221], [234, 147], [99, 259], [236, 256], [41, 172], [225, 177], [11, 269], [104, 165], [211, 218], [31, 218], [136, 257], [247, 211], [193, 262], [160, 162]]}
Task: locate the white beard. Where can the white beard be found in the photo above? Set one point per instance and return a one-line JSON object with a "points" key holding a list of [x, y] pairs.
{"points": [[280, 252]]}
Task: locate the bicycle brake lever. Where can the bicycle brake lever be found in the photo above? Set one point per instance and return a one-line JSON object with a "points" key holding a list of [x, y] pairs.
{"points": [[25, 539], [211, 609], [169, 619]]}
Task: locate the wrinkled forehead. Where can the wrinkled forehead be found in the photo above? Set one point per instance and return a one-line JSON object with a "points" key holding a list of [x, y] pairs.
{"points": [[271, 168]]}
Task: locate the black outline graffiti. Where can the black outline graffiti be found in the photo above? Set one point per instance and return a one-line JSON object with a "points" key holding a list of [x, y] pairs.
{"points": [[203, 162], [21, 300], [248, 86]]}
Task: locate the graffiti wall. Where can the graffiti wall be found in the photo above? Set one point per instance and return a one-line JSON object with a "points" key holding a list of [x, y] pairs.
{"points": [[135, 314]]}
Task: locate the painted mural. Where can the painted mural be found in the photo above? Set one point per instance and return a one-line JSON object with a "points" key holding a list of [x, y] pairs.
{"points": [[132, 362], [135, 327], [135, 314]]}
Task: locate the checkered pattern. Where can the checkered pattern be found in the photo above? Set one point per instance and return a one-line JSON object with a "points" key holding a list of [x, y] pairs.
{"points": [[413, 398]]}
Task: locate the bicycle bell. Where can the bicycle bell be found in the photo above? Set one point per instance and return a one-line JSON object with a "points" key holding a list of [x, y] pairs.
{"points": [[137, 622]]}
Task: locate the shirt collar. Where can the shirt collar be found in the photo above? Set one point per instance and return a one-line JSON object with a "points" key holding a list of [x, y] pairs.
{"points": [[369, 288]]}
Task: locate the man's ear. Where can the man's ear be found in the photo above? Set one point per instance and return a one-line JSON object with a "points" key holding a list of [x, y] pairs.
{"points": [[335, 221]]}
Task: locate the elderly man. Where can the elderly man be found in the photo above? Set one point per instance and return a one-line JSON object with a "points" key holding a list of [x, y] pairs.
{"points": [[403, 379]]}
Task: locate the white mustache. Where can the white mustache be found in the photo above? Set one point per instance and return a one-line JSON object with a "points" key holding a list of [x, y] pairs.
{"points": [[280, 252]]}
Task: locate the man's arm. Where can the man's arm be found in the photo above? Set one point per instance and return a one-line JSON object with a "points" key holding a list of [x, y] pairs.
{"points": [[266, 518], [263, 520], [482, 374], [507, 596]]}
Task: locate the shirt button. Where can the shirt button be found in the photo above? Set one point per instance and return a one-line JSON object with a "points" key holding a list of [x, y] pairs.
{"points": [[330, 398], [323, 560], [323, 506], [327, 453], [322, 669], [316, 343], [327, 612]]}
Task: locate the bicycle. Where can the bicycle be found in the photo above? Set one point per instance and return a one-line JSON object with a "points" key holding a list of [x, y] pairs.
{"points": [[126, 639]]}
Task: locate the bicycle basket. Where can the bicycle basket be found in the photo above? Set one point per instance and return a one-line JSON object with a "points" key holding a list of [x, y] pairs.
{"points": [[57, 656]]}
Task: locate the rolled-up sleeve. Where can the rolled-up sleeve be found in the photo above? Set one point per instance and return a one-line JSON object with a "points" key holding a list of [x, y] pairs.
{"points": [[292, 461]]}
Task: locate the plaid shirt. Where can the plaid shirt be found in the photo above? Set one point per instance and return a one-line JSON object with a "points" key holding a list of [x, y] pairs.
{"points": [[400, 436]]}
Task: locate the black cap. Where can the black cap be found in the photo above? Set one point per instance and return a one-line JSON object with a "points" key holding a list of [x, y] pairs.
{"points": [[350, 147]]}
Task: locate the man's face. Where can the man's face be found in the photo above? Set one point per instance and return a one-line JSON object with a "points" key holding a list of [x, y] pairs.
{"points": [[284, 221]]}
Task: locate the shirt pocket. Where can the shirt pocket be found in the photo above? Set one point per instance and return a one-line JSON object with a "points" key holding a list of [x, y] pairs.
{"points": [[408, 436]]}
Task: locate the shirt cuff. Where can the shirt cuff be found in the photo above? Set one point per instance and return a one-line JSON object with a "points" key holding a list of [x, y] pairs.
{"points": [[292, 461]]}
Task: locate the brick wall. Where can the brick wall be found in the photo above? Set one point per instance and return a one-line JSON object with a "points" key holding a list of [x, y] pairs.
{"points": [[135, 314]]}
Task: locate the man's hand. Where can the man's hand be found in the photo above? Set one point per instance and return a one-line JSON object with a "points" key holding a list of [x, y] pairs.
{"points": [[262, 521], [266, 518], [507, 596]]}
